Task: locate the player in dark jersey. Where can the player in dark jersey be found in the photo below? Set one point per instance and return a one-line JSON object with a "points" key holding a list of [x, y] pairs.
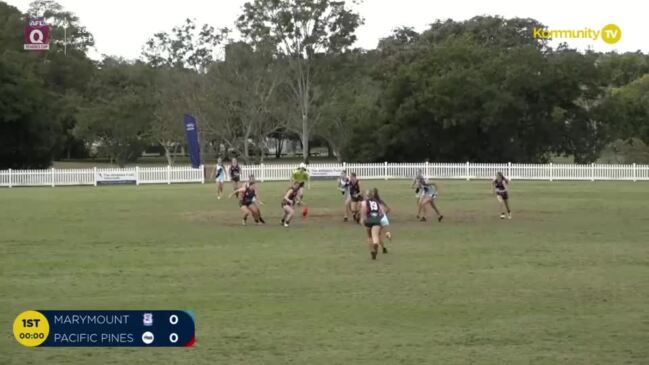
{"points": [[500, 187], [355, 196], [289, 201], [371, 215], [343, 186], [249, 201], [235, 174], [428, 196]]}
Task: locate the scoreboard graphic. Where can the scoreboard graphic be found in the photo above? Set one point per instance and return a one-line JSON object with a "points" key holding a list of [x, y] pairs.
{"points": [[131, 328]]}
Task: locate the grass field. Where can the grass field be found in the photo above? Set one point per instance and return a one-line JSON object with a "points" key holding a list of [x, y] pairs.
{"points": [[565, 282]]}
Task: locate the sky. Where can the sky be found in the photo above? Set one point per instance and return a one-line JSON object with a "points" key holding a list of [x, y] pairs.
{"points": [[121, 27]]}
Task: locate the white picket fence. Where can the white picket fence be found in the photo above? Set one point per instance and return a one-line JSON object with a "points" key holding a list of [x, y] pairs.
{"points": [[282, 172]]}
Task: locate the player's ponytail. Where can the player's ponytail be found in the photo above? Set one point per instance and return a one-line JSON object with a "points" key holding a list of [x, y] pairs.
{"points": [[375, 194]]}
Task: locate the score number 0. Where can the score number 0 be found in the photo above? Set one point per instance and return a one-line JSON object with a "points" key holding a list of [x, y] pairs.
{"points": [[173, 319]]}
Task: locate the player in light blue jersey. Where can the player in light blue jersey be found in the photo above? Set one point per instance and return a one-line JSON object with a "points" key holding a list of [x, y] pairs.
{"points": [[417, 184], [429, 194], [219, 176], [343, 187]]}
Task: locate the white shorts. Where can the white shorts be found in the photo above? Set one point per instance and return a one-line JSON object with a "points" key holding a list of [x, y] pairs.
{"points": [[385, 221], [220, 179]]}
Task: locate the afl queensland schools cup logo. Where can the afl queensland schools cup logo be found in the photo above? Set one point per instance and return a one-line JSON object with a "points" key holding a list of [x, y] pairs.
{"points": [[37, 35]]}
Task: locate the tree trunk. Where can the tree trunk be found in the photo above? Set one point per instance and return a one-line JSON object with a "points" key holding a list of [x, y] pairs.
{"points": [[245, 149], [330, 150], [278, 147], [170, 160], [262, 152], [305, 137]]}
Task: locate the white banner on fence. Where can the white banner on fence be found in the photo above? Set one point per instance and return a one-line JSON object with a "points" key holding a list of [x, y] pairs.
{"points": [[325, 172], [116, 177]]}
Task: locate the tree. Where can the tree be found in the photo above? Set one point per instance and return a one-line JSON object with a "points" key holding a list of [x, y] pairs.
{"points": [[351, 92], [172, 87], [244, 87], [118, 111], [456, 93], [579, 86], [185, 46], [185, 54], [27, 137], [299, 30], [27, 134], [621, 69], [626, 110], [66, 71], [77, 38]]}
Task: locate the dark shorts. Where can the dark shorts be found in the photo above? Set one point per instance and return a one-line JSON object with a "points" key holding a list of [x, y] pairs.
{"points": [[246, 203], [358, 198], [235, 178], [503, 194], [372, 221], [285, 203]]}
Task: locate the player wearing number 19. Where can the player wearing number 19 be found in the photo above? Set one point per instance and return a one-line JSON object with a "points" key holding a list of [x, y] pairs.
{"points": [[370, 216]]}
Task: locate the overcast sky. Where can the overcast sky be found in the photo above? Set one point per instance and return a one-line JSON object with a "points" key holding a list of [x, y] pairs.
{"points": [[121, 27]]}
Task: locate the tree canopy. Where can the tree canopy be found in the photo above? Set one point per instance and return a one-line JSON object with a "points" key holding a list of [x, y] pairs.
{"points": [[482, 89]]}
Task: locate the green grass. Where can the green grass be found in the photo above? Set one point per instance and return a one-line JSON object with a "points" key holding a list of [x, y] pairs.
{"points": [[565, 282]]}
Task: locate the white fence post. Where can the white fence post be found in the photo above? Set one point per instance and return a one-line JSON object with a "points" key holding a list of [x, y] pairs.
{"points": [[168, 174], [466, 170], [386, 170], [52, 176], [137, 175], [551, 173], [592, 171], [509, 169], [94, 169], [634, 173], [10, 180], [426, 172], [263, 173], [202, 174]]}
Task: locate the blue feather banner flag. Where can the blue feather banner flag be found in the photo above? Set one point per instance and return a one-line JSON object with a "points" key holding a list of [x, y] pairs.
{"points": [[191, 129]]}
